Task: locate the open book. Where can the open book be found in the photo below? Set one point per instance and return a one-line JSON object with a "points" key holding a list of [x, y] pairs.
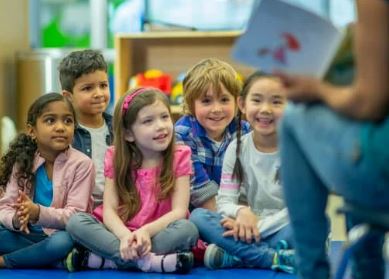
{"points": [[282, 36]]}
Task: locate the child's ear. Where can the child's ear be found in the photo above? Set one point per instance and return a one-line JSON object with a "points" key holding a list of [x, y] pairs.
{"points": [[129, 136], [31, 131], [241, 104], [68, 95]]}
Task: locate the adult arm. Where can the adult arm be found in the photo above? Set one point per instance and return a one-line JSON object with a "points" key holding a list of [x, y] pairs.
{"points": [[368, 97]]}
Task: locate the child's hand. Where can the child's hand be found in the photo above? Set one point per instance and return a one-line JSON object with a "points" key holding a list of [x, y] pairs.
{"points": [[228, 224], [246, 226], [17, 222], [22, 216], [142, 242], [127, 251], [28, 207]]}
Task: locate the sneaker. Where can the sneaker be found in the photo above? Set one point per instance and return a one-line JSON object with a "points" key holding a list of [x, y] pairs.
{"points": [[282, 245], [184, 263], [199, 252], [328, 243], [284, 260], [216, 258], [76, 259], [179, 263]]}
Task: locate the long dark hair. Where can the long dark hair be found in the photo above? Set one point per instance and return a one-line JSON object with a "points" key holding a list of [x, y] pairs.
{"points": [[22, 149], [238, 169]]}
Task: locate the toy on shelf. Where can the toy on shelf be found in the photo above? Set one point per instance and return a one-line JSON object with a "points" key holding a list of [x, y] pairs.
{"points": [[153, 78], [176, 97]]}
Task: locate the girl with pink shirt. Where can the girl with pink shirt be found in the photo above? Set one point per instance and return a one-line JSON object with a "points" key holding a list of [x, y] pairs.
{"points": [[45, 181], [142, 222]]}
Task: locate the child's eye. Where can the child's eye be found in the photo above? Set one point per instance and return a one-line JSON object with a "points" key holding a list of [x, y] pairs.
{"points": [[225, 100], [147, 121], [104, 85], [256, 100], [278, 101], [69, 121], [205, 101], [166, 116], [49, 120], [87, 88]]}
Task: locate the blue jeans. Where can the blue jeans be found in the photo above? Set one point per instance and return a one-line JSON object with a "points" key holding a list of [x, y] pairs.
{"points": [[85, 229], [258, 255], [21, 250], [320, 153]]}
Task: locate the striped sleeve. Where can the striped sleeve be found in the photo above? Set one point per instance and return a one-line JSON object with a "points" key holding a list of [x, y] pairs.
{"points": [[229, 191]]}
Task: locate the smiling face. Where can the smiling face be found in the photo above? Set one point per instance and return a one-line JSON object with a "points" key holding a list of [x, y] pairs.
{"points": [[90, 96], [263, 106], [215, 111], [54, 129], [152, 130]]}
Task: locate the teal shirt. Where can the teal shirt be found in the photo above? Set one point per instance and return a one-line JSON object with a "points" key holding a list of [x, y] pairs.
{"points": [[43, 194], [375, 140], [43, 187]]}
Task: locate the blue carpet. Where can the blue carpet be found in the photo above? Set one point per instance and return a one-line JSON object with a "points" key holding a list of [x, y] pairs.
{"points": [[196, 273], [199, 272]]}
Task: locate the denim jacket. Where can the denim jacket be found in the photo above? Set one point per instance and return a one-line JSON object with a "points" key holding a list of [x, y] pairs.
{"points": [[82, 140]]}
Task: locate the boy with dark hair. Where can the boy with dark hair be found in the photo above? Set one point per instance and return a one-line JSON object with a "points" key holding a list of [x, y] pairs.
{"points": [[84, 80]]}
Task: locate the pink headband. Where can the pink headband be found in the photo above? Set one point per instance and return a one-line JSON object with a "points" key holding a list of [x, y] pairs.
{"points": [[128, 99]]}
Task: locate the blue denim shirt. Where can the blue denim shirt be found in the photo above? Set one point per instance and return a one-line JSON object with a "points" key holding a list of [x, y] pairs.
{"points": [[82, 140]]}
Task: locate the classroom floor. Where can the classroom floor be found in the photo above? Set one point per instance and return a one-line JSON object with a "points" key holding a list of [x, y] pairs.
{"points": [[199, 272]]}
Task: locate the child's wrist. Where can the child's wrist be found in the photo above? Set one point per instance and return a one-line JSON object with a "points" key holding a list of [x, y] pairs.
{"points": [[242, 209], [15, 222], [36, 211]]}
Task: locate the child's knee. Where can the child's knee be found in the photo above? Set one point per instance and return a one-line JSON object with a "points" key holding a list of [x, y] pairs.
{"points": [[61, 241], [75, 221], [198, 215]]}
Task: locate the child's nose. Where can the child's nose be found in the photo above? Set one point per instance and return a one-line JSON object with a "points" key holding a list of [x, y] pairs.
{"points": [[217, 107], [60, 126], [266, 107], [161, 124], [99, 92]]}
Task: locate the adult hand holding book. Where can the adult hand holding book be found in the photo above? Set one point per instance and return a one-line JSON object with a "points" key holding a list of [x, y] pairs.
{"points": [[285, 37]]}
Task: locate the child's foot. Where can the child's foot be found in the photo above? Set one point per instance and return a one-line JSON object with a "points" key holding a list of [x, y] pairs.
{"points": [[216, 258], [76, 259], [284, 260], [80, 258], [199, 252], [180, 263]]}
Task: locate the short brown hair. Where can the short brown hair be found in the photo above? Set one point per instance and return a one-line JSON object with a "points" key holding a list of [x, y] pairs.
{"points": [[209, 72], [79, 63]]}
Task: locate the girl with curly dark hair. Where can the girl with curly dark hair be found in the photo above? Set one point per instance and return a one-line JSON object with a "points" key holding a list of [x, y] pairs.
{"points": [[44, 182]]}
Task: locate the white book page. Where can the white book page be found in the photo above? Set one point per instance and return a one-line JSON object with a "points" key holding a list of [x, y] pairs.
{"points": [[282, 36]]}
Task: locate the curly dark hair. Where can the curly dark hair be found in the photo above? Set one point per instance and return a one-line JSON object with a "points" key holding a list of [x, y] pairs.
{"points": [[22, 149], [78, 63]]}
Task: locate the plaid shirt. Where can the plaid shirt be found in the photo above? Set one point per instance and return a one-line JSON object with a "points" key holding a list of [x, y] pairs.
{"points": [[207, 156]]}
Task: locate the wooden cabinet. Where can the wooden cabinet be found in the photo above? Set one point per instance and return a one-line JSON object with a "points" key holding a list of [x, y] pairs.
{"points": [[172, 52]]}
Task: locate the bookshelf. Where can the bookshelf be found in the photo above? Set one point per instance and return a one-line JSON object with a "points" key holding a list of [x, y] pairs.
{"points": [[172, 52]]}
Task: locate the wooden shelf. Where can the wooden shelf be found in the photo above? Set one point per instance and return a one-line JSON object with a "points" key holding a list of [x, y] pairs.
{"points": [[172, 52]]}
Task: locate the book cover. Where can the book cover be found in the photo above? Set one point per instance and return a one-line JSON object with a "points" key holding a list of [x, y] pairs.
{"points": [[286, 37]]}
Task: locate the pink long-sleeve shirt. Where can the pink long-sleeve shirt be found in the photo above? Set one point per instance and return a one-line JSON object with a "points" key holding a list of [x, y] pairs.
{"points": [[73, 182]]}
